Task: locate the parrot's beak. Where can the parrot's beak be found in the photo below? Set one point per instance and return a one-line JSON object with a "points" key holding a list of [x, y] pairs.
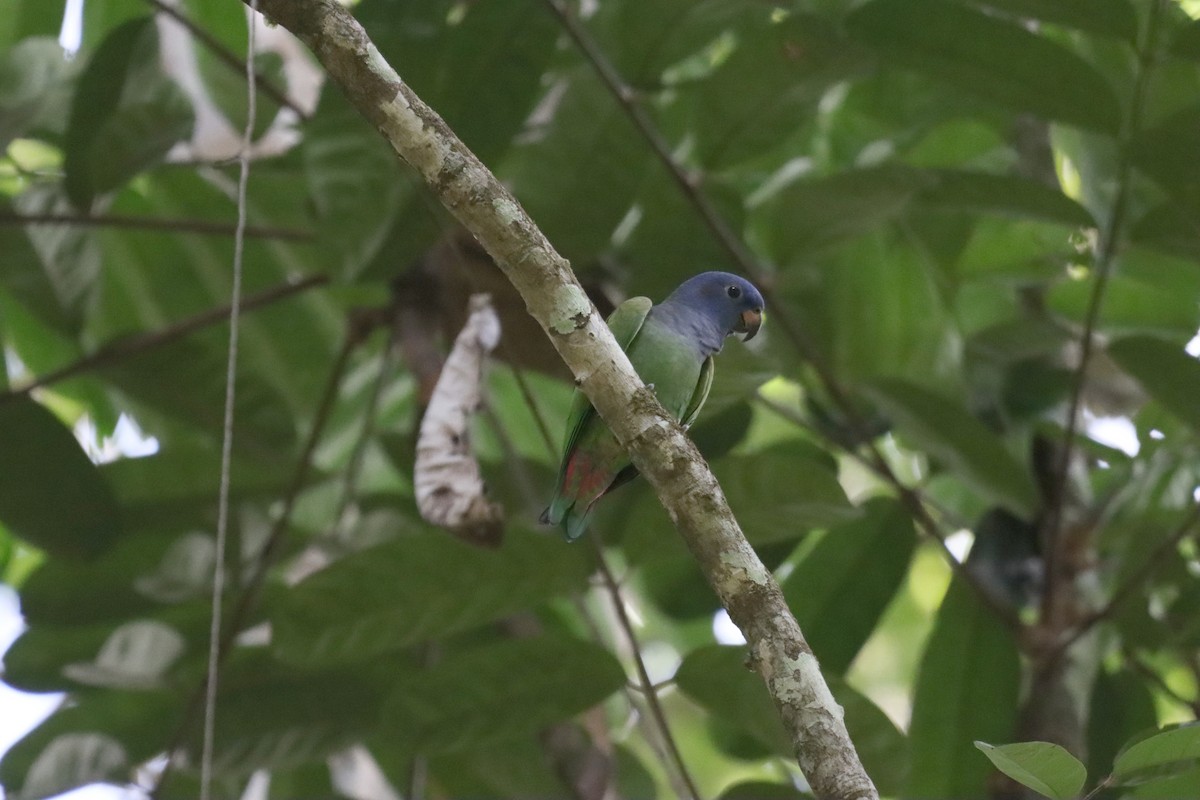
{"points": [[749, 323]]}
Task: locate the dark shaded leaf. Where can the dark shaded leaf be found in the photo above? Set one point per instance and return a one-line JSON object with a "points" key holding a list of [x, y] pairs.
{"points": [[989, 57], [1167, 151], [645, 39], [125, 117], [419, 586], [51, 495], [967, 690], [498, 691], [1115, 18], [1006, 195], [133, 655], [1173, 226], [1121, 706], [842, 585], [968, 448], [270, 716], [1046, 768]]}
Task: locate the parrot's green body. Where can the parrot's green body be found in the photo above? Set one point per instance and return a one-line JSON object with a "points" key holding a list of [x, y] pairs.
{"points": [[671, 346]]}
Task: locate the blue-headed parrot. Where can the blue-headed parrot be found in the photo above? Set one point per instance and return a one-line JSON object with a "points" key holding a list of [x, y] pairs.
{"points": [[671, 345]]}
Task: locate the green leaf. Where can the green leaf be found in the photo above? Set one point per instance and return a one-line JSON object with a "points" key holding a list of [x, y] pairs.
{"points": [[578, 202], [479, 64], [1178, 748], [29, 18], [807, 216], [34, 89], [51, 495], [178, 485], [70, 259], [138, 652], [39, 303], [967, 690], [842, 585], [783, 491], [1046, 768], [355, 181], [414, 588], [780, 68], [100, 737], [949, 433], [498, 691], [645, 39], [1115, 18], [763, 790], [1165, 371], [1172, 787], [989, 57], [185, 382], [716, 677], [126, 115]]}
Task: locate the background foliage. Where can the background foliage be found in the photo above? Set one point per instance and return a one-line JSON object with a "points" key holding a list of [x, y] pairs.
{"points": [[973, 217]]}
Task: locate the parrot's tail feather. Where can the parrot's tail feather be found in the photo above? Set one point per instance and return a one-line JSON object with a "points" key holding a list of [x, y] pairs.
{"points": [[576, 524], [544, 517]]}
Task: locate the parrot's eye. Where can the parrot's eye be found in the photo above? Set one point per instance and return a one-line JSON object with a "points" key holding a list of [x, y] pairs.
{"points": [[734, 291]]}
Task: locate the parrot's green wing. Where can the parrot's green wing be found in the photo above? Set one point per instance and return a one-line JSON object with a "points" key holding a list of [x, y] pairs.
{"points": [[701, 394], [624, 322]]}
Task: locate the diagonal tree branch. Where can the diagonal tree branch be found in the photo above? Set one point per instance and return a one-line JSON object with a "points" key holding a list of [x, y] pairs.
{"points": [[657, 445]]}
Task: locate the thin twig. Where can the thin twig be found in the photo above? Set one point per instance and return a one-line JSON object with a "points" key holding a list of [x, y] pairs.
{"points": [[127, 346], [690, 185], [235, 309], [648, 688], [269, 551], [203, 227], [230, 58], [1103, 264]]}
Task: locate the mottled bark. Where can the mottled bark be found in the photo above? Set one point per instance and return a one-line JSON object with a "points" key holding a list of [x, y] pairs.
{"points": [[657, 445]]}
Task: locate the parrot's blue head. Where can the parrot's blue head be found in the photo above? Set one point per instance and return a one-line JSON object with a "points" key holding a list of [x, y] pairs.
{"points": [[729, 302]]}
